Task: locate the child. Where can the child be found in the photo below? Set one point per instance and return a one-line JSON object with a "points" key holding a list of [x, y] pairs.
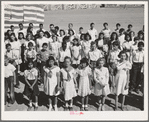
{"points": [[9, 81], [68, 83], [9, 53], [29, 39], [80, 32], [101, 77], [43, 56], [132, 35], [62, 34], [84, 73], [122, 78], [112, 61], [70, 27], [31, 87], [86, 45], [76, 53], [71, 35], [113, 38], [141, 36], [138, 61], [63, 52], [100, 41], [106, 32], [93, 32], [30, 53], [121, 37], [93, 55], [129, 28], [51, 82], [135, 44], [118, 25]]}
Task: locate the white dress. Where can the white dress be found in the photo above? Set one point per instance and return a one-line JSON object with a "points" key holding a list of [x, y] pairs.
{"points": [[84, 85], [69, 86], [86, 46], [55, 48], [76, 51], [121, 78], [50, 83], [101, 77]]}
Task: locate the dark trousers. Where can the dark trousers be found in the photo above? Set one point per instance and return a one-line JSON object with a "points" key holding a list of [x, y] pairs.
{"points": [[16, 76], [9, 84], [42, 71], [136, 75]]}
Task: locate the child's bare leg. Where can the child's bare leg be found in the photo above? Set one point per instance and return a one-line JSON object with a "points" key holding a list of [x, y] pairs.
{"points": [[50, 103], [123, 101], [99, 102], [86, 103], [103, 102], [70, 104], [116, 102], [30, 103], [66, 105], [36, 103], [82, 101], [55, 103]]}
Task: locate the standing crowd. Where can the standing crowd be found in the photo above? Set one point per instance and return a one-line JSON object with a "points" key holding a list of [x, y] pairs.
{"points": [[70, 63]]}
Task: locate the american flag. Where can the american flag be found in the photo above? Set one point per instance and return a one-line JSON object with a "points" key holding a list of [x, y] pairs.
{"points": [[23, 13]]}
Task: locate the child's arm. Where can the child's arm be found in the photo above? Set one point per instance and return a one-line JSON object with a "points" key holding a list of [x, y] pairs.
{"points": [[97, 80], [27, 82], [127, 83], [34, 82], [35, 56], [58, 79]]}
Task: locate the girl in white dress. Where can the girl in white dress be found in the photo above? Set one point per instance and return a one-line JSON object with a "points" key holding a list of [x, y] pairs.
{"points": [[62, 34], [122, 78], [68, 83], [86, 45], [84, 72], [76, 53], [101, 77], [51, 82]]}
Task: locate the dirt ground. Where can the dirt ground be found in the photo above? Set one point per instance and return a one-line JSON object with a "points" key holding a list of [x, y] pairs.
{"points": [[82, 18]]}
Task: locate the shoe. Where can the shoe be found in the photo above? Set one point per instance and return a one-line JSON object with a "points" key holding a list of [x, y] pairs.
{"points": [[55, 108], [103, 108], [36, 108], [29, 108], [82, 109], [8, 105], [50, 109], [99, 108], [66, 109], [86, 108], [115, 109]]}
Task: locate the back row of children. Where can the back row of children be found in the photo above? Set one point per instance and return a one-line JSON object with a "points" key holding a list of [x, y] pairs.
{"points": [[107, 63]]}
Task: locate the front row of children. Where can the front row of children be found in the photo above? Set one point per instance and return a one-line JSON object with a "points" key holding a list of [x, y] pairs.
{"points": [[68, 79]]}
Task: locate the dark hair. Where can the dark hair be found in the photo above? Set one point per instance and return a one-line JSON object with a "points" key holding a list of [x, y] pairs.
{"points": [[84, 60], [80, 28], [29, 29], [105, 23], [130, 25], [141, 43], [70, 24], [11, 26], [51, 24], [92, 43], [47, 33], [91, 24], [111, 38], [100, 59], [77, 41], [87, 34], [67, 58], [50, 58], [28, 35], [130, 34], [20, 34], [140, 32], [66, 38], [118, 24], [83, 34], [62, 30], [56, 27], [136, 38], [29, 61], [40, 24], [7, 45], [20, 24], [101, 33], [54, 36], [30, 44], [123, 52], [63, 43], [30, 23], [13, 34], [116, 43], [71, 30], [121, 30], [126, 37], [44, 44]]}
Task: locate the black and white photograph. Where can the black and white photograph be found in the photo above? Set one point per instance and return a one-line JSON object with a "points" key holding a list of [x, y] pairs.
{"points": [[74, 60]]}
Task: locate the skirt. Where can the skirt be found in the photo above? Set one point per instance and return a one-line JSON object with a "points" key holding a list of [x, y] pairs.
{"points": [[28, 92]]}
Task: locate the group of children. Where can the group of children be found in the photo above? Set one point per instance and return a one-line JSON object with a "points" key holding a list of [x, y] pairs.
{"points": [[72, 64]]}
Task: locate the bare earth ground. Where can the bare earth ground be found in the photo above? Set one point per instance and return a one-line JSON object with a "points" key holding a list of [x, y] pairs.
{"points": [[135, 16]]}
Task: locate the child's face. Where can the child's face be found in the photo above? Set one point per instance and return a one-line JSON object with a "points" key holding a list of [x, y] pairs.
{"points": [[30, 47], [141, 36], [81, 30], [127, 38], [105, 25], [101, 36], [12, 37], [93, 47], [44, 47], [70, 26], [67, 62], [100, 64], [30, 65], [41, 34], [61, 33], [130, 27], [65, 45], [117, 26], [87, 37], [6, 62], [21, 27], [140, 47], [114, 36], [8, 48], [29, 37], [71, 33], [41, 26], [136, 41], [115, 47], [92, 26], [83, 65], [54, 39], [75, 42], [46, 35], [21, 36], [132, 34], [51, 63], [123, 56]]}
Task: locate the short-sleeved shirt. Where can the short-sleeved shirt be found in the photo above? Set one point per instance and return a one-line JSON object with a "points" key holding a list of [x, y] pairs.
{"points": [[113, 56], [63, 54], [127, 45], [9, 69], [40, 42], [138, 56], [26, 43], [15, 45], [93, 33], [9, 54], [95, 55], [31, 74], [30, 53], [44, 55], [106, 32]]}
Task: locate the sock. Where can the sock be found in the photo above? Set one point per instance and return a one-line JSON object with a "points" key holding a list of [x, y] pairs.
{"points": [[50, 106], [86, 106], [55, 106], [82, 106], [66, 105], [36, 104], [70, 105], [30, 104]]}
